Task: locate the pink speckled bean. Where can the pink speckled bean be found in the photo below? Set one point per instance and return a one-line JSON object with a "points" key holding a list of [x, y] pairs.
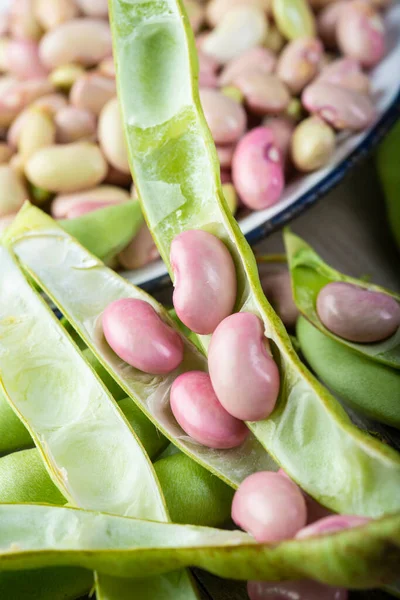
{"points": [[331, 524], [256, 59], [282, 129], [346, 72], [16, 95], [23, 60], [327, 20], [294, 590], [264, 94], [204, 280], [225, 117], [257, 170], [341, 107], [244, 375], [199, 413], [361, 33], [299, 63], [74, 124], [139, 336], [269, 506], [357, 314]]}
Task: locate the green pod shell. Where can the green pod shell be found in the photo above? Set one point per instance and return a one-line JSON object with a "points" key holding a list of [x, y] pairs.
{"points": [[388, 163], [57, 583], [366, 386], [13, 434]]}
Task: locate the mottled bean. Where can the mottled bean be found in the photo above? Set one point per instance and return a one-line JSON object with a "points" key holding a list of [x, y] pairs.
{"points": [[258, 59], [93, 8], [16, 95], [299, 63], [74, 124], [360, 33], [216, 9], [264, 93], [347, 73], [23, 61], [327, 20], [225, 117], [104, 194]]}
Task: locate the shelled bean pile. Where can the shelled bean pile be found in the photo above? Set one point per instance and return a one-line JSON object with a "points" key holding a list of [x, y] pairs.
{"points": [[278, 80]]}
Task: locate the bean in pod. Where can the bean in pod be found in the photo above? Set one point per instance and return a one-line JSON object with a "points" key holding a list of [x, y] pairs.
{"points": [[346, 72], [340, 107], [278, 291], [67, 168], [360, 33], [331, 524], [204, 280], [299, 63], [270, 507], [257, 169], [225, 117], [82, 41], [140, 337], [74, 124], [13, 191], [243, 373], [111, 136], [198, 411], [294, 18], [313, 144], [140, 251], [92, 91], [294, 590], [256, 59], [216, 9], [264, 93], [357, 314], [51, 14], [241, 29]]}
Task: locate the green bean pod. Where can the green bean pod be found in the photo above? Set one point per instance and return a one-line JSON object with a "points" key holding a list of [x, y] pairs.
{"points": [[172, 155], [126, 547], [309, 275], [387, 161]]}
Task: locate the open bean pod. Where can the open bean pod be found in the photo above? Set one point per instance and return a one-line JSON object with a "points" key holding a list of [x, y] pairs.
{"points": [[172, 154], [387, 162]]}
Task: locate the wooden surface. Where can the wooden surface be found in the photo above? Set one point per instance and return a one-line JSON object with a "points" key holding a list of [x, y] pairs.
{"points": [[349, 229]]}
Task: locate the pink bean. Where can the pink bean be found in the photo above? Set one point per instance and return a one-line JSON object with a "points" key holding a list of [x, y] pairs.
{"points": [[207, 71], [103, 195], [299, 62], [282, 129], [315, 511], [341, 107], [23, 22], [269, 507], [74, 124], [294, 590], [86, 207], [264, 94], [139, 336], [361, 33], [92, 91], [244, 375], [327, 20], [225, 155], [225, 117], [199, 413], [278, 291], [140, 252], [226, 176], [16, 95], [257, 170], [331, 524], [256, 59], [23, 60], [204, 280], [347, 73]]}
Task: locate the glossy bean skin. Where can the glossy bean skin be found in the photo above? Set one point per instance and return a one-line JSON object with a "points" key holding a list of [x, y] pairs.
{"points": [[257, 169], [138, 336], [204, 280], [225, 117], [111, 136], [258, 59], [199, 413], [299, 63], [340, 107], [282, 130], [92, 91], [357, 314], [269, 506], [294, 18], [264, 93], [366, 386], [140, 252], [331, 524], [104, 194], [74, 124], [346, 72], [243, 373], [313, 144], [361, 33], [327, 20], [216, 9], [278, 291], [23, 60], [294, 590]]}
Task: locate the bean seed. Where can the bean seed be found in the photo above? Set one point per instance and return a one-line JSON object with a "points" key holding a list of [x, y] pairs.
{"points": [[342, 108], [269, 507], [275, 40], [51, 14], [225, 176], [107, 67], [23, 60], [18, 164], [63, 204], [93, 8], [82, 41], [38, 132], [225, 155], [346, 72], [65, 76], [230, 196], [23, 23], [233, 92], [86, 207], [92, 91], [331, 524], [204, 280], [16, 95], [199, 413], [243, 373], [225, 117], [327, 21], [356, 314], [6, 152], [74, 124], [278, 291], [299, 63], [294, 18], [111, 136], [67, 168], [140, 252], [313, 144], [138, 336], [51, 103], [294, 110], [115, 177], [264, 94], [13, 192], [241, 28], [361, 33], [216, 9], [288, 590], [257, 169], [258, 59], [282, 130]]}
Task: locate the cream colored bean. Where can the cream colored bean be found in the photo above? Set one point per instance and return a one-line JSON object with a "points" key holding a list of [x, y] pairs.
{"points": [[82, 41], [4, 42], [233, 92], [67, 168], [107, 67], [13, 192], [216, 9], [48, 104], [361, 33], [255, 59], [327, 21], [111, 136], [65, 76], [92, 91], [231, 197], [294, 18], [22, 59], [313, 144], [225, 117], [140, 252], [23, 23], [38, 131], [75, 124], [347, 73], [52, 13], [196, 14], [4, 22], [16, 95], [102, 194], [320, 4], [17, 163], [275, 40], [6, 152], [299, 63], [241, 28], [51, 103], [264, 94], [6, 221], [93, 8]]}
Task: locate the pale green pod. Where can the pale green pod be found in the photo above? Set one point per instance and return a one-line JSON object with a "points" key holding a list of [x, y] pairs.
{"points": [[90, 451], [294, 18]]}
